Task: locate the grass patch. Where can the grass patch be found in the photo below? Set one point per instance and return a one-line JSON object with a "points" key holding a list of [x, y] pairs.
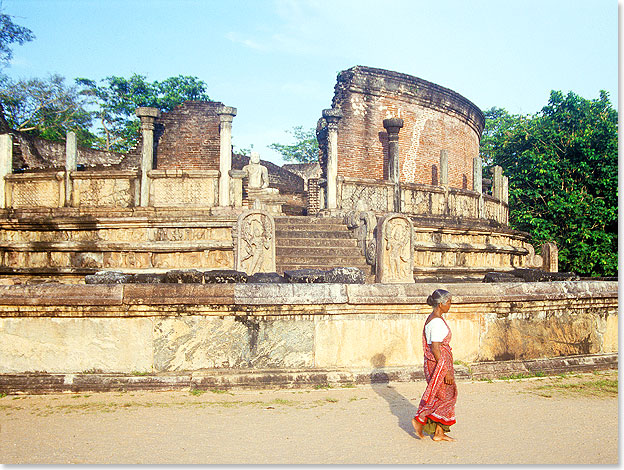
{"points": [[331, 400], [605, 387], [322, 386], [137, 373], [348, 385], [197, 392], [521, 375], [282, 401]]}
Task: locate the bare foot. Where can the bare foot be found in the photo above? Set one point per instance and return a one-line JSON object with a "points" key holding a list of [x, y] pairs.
{"points": [[418, 427], [443, 437]]}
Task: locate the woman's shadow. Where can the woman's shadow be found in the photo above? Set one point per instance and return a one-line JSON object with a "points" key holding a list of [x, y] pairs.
{"points": [[401, 407]]}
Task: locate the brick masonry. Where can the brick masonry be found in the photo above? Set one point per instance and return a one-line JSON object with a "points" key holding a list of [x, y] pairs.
{"points": [[187, 137], [435, 119]]}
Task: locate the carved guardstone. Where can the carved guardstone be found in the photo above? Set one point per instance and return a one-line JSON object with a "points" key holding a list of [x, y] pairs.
{"points": [[255, 242], [395, 250]]}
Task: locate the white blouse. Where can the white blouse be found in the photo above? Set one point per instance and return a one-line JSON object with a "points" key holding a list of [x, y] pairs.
{"points": [[436, 330]]}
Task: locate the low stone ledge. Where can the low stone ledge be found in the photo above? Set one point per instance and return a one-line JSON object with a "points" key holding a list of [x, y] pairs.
{"points": [[545, 366], [224, 379], [475, 292], [62, 294], [290, 294], [178, 294]]}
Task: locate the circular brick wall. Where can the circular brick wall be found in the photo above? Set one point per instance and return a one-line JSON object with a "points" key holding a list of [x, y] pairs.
{"points": [[435, 119]]}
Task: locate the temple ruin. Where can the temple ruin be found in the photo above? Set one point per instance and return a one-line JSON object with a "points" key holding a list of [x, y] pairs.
{"points": [[390, 143], [181, 264]]}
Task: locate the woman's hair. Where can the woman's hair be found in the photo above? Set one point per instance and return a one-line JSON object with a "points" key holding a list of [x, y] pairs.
{"points": [[439, 296]]}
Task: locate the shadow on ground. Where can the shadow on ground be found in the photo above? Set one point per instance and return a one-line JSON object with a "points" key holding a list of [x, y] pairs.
{"points": [[403, 408]]}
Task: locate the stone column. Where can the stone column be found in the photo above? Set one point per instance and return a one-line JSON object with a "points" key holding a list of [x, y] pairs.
{"points": [[477, 174], [226, 115], [477, 184], [497, 183], [71, 155], [6, 165], [147, 116], [550, 257], [393, 126], [332, 116], [505, 195], [443, 168]]}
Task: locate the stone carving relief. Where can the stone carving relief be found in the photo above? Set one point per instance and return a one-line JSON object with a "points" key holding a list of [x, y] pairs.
{"points": [[255, 243], [395, 250], [363, 224], [362, 197]]}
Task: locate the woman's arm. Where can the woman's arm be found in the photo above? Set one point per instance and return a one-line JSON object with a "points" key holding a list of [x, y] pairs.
{"points": [[435, 349]]}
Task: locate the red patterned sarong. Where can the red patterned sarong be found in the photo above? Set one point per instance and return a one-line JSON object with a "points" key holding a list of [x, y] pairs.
{"points": [[438, 401]]}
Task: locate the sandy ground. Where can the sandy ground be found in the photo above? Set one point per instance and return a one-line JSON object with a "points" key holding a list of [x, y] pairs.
{"points": [[530, 421]]}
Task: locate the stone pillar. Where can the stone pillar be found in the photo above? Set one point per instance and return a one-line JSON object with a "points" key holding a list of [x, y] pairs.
{"points": [[71, 155], [332, 116], [497, 183], [147, 116], [443, 168], [550, 257], [6, 165], [477, 174], [226, 115], [393, 126], [505, 195]]}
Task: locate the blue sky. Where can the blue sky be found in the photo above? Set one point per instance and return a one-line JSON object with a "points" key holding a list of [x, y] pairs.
{"points": [[276, 61]]}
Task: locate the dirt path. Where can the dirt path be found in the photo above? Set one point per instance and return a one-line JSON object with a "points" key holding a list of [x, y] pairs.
{"points": [[531, 421]]}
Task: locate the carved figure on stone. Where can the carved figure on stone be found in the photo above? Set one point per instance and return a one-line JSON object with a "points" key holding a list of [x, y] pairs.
{"points": [[396, 243], [256, 243], [395, 250], [257, 174]]}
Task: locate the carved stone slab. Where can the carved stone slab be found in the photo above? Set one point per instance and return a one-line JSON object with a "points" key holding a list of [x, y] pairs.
{"points": [[395, 250], [255, 242]]}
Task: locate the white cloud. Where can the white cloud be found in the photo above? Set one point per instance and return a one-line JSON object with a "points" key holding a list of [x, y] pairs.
{"points": [[238, 39]]}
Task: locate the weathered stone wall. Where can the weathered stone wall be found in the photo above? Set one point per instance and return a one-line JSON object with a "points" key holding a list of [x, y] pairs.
{"points": [[70, 241], [35, 153], [182, 327], [435, 119]]}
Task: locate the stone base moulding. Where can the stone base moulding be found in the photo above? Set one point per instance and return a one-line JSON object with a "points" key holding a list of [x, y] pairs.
{"points": [[225, 379]]}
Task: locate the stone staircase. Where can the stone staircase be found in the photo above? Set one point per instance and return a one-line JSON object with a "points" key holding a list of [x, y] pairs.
{"points": [[316, 243]]}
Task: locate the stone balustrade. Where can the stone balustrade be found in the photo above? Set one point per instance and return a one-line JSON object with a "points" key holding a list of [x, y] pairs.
{"points": [[419, 200]]}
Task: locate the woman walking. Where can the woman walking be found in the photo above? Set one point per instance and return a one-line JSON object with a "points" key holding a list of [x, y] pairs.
{"points": [[436, 412]]}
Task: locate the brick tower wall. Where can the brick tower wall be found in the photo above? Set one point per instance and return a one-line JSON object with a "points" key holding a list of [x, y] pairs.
{"points": [[435, 118], [187, 137]]}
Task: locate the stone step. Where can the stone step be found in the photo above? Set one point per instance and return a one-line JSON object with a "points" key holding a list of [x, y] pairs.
{"points": [[293, 267], [316, 242], [307, 220], [326, 251], [329, 235], [328, 228], [325, 262]]}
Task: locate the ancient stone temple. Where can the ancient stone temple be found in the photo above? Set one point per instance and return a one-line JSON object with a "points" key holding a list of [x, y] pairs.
{"points": [[183, 265], [390, 144]]}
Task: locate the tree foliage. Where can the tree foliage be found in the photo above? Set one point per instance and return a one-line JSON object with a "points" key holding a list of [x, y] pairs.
{"points": [[562, 165], [116, 98], [46, 108], [304, 150], [11, 33]]}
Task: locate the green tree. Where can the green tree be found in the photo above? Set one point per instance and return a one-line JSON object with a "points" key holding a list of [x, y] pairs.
{"points": [[304, 150], [116, 99], [46, 108], [11, 33], [562, 168]]}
